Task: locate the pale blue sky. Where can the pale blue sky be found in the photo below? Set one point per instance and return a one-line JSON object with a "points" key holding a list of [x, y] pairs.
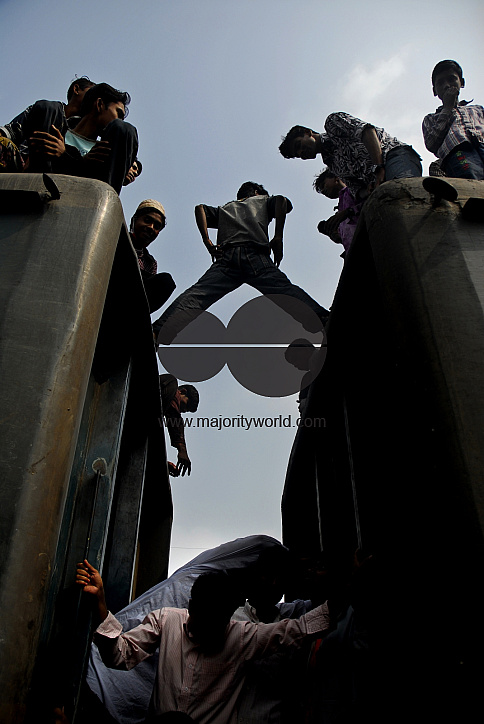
{"points": [[214, 85]]}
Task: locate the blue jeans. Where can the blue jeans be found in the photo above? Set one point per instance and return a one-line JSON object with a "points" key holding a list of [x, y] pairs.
{"points": [[238, 265], [402, 162], [465, 161]]}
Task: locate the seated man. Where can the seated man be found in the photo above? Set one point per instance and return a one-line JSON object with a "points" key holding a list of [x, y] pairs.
{"points": [[40, 116], [202, 653], [103, 110], [242, 254], [340, 227], [147, 222], [360, 154], [175, 401]]}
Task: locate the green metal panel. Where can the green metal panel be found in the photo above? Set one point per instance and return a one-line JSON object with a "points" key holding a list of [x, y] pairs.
{"points": [[75, 338]]}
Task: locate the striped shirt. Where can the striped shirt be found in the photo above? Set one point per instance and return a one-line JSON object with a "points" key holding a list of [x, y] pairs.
{"points": [[445, 129], [204, 686]]}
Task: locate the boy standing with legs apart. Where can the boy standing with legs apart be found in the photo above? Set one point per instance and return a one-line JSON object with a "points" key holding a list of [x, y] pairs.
{"points": [[455, 132], [241, 255]]}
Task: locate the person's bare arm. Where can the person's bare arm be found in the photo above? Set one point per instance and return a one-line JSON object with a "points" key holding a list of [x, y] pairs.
{"points": [[372, 144], [89, 578], [277, 240], [201, 219]]}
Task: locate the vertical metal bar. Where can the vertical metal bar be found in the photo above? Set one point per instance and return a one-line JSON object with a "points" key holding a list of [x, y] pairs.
{"points": [[100, 468], [352, 474]]}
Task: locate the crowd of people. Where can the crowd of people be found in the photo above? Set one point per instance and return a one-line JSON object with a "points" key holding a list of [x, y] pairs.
{"points": [[227, 649], [210, 657], [359, 156]]}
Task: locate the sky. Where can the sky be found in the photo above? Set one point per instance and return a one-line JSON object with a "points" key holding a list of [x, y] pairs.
{"points": [[214, 86]]}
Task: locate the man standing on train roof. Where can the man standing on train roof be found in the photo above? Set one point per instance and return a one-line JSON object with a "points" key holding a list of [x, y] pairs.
{"points": [[241, 255]]}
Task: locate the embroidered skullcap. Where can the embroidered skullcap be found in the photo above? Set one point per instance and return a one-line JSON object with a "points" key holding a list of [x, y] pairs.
{"points": [[150, 205]]}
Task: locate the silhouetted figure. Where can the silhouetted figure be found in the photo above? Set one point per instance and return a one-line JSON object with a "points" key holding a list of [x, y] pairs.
{"points": [[299, 353]]}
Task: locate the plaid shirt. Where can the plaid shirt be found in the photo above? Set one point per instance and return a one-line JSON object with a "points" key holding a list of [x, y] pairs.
{"points": [[346, 155], [446, 129]]}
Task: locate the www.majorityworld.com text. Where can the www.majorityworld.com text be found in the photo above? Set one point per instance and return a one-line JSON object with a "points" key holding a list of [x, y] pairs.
{"points": [[247, 423]]}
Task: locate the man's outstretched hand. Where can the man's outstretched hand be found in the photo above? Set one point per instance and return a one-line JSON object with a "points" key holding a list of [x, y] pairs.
{"points": [[89, 578]]}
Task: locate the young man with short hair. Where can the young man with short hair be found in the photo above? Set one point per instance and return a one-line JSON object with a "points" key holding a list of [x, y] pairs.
{"points": [[241, 255], [362, 155], [455, 132], [103, 112], [80, 153], [175, 401]]}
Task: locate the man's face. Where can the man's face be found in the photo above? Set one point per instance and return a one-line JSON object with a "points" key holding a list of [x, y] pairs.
{"points": [[111, 112], [132, 174], [304, 147], [445, 81], [146, 228]]}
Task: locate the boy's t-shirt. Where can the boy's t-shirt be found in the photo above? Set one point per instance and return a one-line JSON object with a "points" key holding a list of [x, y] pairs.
{"points": [[83, 145], [244, 222]]}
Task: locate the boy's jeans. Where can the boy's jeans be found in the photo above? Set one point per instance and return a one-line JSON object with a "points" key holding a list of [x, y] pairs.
{"points": [[402, 162], [238, 265], [465, 161]]}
